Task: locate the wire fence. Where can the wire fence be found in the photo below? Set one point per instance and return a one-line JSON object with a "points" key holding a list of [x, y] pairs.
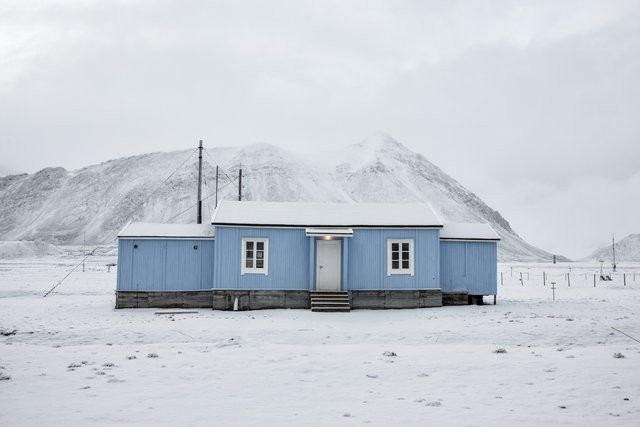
{"points": [[588, 274]]}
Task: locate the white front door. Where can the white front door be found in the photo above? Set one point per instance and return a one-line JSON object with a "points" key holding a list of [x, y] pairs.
{"points": [[328, 265]]}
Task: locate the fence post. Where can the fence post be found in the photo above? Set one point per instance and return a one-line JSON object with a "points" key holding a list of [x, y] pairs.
{"points": [[521, 282], [594, 280], [501, 279], [544, 279], [624, 278], [568, 280]]}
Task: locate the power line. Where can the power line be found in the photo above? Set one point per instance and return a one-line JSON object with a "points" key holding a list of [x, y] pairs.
{"points": [[195, 204], [216, 163], [111, 238]]}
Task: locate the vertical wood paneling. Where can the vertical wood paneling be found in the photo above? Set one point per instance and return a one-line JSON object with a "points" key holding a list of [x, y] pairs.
{"points": [[207, 256], [469, 266], [149, 259], [125, 265], [183, 266], [288, 259], [165, 265], [367, 259]]}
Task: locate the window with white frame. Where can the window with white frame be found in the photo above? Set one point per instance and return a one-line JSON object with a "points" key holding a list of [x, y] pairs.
{"points": [[255, 256], [400, 256]]}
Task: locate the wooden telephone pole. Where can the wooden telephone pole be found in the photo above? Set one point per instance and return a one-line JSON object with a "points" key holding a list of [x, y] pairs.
{"points": [[199, 219]]}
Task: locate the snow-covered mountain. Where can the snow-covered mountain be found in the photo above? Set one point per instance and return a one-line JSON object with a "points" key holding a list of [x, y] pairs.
{"points": [[95, 202], [627, 249]]}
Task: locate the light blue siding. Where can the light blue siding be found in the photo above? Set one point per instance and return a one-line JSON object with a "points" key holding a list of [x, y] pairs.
{"points": [[148, 265], [288, 259], [469, 266], [125, 264], [165, 265], [367, 260]]}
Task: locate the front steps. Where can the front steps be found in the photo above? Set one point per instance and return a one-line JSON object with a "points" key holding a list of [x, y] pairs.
{"points": [[330, 301]]}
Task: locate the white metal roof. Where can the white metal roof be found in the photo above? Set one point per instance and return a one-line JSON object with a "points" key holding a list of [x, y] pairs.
{"points": [[294, 214], [151, 230], [468, 231]]}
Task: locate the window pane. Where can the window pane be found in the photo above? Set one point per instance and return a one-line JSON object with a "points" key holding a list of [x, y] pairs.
{"points": [[405, 246], [394, 255], [249, 245], [259, 263], [249, 255], [395, 247], [405, 264], [259, 254], [395, 265], [405, 255], [249, 263], [260, 246]]}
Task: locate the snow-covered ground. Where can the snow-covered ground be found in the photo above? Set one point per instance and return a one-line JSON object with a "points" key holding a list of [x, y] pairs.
{"points": [[74, 360]]}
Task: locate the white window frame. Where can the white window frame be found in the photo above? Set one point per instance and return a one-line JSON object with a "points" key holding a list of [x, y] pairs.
{"points": [[243, 256], [393, 271]]}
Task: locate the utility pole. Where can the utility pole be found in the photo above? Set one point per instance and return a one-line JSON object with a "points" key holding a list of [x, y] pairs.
{"points": [[613, 246], [216, 205], [199, 219], [240, 185]]}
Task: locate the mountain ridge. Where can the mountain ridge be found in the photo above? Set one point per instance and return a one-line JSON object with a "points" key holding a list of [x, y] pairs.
{"points": [[627, 250], [94, 202]]}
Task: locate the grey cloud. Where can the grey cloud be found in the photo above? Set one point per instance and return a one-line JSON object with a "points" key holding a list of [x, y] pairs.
{"points": [[523, 102]]}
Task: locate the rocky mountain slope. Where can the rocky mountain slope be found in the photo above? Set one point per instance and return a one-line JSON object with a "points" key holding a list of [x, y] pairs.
{"points": [[627, 249], [95, 202]]}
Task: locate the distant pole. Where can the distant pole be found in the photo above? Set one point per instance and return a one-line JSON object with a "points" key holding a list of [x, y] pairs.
{"points": [[613, 247], [568, 280], [601, 274], [544, 279], [216, 186], [624, 277], [240, 185], [594, 280], [199, 219], [501, 278]]}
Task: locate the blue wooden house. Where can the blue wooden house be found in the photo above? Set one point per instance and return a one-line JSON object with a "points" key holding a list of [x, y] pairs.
{"points": [[307, 255]]}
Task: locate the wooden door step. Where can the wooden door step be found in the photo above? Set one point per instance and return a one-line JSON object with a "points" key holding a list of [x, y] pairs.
{"points": [[330, 301]]}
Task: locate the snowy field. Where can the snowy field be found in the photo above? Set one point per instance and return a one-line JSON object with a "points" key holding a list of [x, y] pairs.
{"points": [[74, 360]]}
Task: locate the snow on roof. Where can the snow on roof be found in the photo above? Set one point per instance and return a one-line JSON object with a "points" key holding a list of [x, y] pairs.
{"points": [[167, 231], [468, 231], [292, 214]]}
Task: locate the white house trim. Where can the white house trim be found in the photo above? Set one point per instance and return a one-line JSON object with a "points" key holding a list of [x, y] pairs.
{"points": [[253, 269], [399, 269]]}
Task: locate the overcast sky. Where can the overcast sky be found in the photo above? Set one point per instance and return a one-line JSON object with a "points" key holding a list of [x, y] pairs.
{"points": [[535, 106]]}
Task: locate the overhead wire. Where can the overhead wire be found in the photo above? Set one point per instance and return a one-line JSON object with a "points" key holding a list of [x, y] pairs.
{"points": [[110, 236], [196, 204], [216, 163]]}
